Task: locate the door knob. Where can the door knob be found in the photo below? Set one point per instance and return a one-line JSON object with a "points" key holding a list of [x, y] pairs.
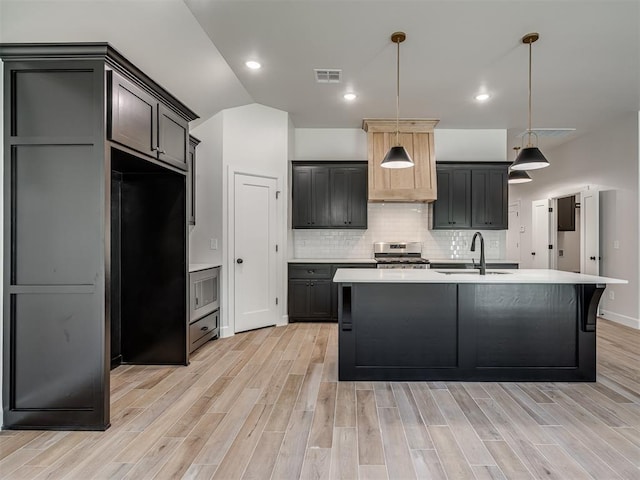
{"points": [[239, 260], [533, 253]]}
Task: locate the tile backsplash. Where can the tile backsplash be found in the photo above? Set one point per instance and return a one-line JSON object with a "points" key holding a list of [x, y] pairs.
{"points": [[389, 222]]}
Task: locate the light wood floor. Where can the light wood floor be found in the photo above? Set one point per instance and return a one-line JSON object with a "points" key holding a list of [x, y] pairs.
{"points": [[267, 404]]}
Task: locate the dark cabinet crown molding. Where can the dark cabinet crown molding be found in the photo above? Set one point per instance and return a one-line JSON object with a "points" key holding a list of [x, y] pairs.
{"points": [[100, 51]]}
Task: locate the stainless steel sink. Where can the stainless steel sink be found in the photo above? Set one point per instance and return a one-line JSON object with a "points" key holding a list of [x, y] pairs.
{"points": [[475, 272]]}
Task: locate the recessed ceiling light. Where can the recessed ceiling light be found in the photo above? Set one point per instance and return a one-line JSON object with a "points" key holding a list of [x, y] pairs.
{"points": [[253, 65], [483, 97], [350, 96]]}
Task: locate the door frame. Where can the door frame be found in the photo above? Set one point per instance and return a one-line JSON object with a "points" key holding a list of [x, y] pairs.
{"points": [[553, 222], [229, 250]]}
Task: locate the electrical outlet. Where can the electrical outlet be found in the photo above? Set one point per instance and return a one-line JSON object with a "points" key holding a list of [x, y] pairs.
{"points": [[213, 243], [616, 244], [521, 228], [612, 295]]}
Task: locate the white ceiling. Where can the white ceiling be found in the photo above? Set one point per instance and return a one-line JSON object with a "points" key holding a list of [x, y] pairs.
{"points": [[586, 65]]}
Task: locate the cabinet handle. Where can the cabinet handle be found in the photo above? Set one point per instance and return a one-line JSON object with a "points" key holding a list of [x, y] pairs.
{"points": [[197, 301], [154, 149], [204, 329], [161, 151], [312, 284], [311, 271]]}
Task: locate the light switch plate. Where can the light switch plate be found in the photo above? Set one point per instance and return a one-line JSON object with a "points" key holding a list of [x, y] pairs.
{"points": [[213, 243], [616, 244]]}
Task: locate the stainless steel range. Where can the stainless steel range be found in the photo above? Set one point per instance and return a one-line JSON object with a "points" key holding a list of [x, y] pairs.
{"points": [[399, 255]]}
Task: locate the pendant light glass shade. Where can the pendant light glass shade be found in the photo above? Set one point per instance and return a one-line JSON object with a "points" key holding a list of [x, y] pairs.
{"points": [[397, 156], [530, 157], [518, 176]]}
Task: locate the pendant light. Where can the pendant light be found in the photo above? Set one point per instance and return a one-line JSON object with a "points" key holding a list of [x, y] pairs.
{"points": [[397, 156], [530, 157], [518, 176]]}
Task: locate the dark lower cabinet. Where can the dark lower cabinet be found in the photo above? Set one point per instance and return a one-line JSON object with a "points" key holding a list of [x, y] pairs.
{"points": [[313, 296], [470, 265]]}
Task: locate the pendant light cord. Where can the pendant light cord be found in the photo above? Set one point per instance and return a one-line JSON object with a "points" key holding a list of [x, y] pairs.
{"points": [[529, 131], [398, 94]]}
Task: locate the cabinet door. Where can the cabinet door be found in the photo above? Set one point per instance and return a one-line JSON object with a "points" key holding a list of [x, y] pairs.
{"points": [[310, 193], [191, 181], [349, 197], [320, 298], [357, 200], [299, 298], [490, 192], [132, 116], [321, 214], [173, 138], [452, 210]]}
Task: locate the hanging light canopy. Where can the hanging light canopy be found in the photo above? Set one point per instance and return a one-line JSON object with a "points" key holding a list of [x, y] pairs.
{"points": [[397, 156], [518, 176], [530, 157]]}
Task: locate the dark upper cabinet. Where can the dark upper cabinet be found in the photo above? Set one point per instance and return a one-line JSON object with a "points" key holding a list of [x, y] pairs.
{"points": [[310, 197], [453, 208], [471, 196], [348, 197], [489, 197], [567, 214], [329, 195], [191, 180], [141, 122]]}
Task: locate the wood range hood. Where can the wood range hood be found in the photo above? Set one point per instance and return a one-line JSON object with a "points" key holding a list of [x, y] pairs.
{"points": [[416, 184]]}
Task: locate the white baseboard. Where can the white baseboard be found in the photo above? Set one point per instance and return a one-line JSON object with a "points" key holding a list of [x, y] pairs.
{"points": [[623, 319], [226, 332], [284, 320]]}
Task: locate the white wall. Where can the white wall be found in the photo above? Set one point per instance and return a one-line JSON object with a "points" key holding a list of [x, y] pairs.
{"points": [[208, 171], [451, 145], [609, 159], [254, 139]]}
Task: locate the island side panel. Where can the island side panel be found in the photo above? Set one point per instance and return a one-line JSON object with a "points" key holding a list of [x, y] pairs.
{"points": [[526, 332], [386, 328]]}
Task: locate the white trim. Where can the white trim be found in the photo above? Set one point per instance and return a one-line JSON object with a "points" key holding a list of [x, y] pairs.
{"points": [[622, 319], [284, 320]]}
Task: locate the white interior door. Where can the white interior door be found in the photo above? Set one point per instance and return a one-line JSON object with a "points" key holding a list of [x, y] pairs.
{"points": [[540, 233], [590, 232], [254, 246], [513, 233]]}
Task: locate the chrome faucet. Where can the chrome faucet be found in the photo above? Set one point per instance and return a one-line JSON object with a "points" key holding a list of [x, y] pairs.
{"points": [[483, 263]]}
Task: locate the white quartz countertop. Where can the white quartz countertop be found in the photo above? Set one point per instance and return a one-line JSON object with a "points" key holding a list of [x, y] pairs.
{"points": [[332, 260], [364, 275], [462, 260], [196, 267]]}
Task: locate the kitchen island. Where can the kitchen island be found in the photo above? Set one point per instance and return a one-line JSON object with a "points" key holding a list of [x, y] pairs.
{"points": [[508, 325]]}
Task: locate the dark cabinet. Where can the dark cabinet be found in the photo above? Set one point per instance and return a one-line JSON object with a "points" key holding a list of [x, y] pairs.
{"points": [[191, 180], [138, 120], [489, 197], [471, 265], [471, 196], [348, 189], [329, 195], [453, 208], [83, 126], [310, 192], [313, 296], [567, 214]]}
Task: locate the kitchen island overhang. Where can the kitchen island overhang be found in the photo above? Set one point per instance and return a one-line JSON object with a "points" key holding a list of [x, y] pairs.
{"points": [[524, 325]]}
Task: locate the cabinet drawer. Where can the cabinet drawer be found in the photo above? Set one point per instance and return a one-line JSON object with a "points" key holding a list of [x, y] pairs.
{"points": [[310, 271], [202, 330]]}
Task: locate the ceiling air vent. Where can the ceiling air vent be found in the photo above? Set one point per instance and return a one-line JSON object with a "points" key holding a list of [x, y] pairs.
{"points": [[328, 75], [549, 132]]}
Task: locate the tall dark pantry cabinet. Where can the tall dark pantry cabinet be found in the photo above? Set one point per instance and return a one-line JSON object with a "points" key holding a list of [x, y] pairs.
{"points": [[95, 230]]}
